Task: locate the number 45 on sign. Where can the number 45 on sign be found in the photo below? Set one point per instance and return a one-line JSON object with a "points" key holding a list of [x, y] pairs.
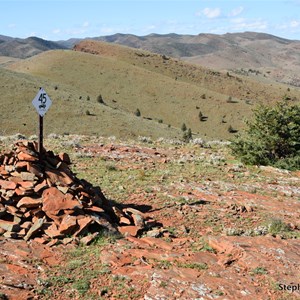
{"points": [[41, 102]]}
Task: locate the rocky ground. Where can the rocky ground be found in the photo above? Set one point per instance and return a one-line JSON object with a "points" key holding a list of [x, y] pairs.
{"points": [[195, 224]]}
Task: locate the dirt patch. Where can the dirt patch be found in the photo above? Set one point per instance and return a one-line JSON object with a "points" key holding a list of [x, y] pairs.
{"points": [[221, 230]]}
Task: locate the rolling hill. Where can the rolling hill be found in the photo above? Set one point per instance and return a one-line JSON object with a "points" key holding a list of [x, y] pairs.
{"points": [[254, 54], [167, 91], [23, 48], [251, 53]]}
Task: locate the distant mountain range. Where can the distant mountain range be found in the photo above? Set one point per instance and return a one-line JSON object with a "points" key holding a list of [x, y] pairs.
{"points": [[24, 48], [248, 53]]}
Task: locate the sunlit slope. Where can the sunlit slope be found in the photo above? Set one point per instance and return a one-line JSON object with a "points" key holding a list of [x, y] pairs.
{"points": [[68, 113], [167, 92]]}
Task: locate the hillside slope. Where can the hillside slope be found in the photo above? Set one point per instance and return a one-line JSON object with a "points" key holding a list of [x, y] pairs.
{"points": [[266, 56], [23, 48], [168, 93], [259, 55]]}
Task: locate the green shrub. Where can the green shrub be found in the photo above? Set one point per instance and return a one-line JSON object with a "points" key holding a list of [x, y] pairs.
{"points": [[137, 112], [183, 127], [271, 138], [100, 99], [187, 135]]}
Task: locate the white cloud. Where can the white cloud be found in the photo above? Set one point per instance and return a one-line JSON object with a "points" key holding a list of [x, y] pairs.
{"points": [[86, 24], [211, 12], [235, 12], [242, 24], [291, 25]]}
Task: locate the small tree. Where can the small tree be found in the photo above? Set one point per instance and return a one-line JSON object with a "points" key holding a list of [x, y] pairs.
{"points": [[230, 129], [187, 135], [100, 99], [137, 112], [271, 138], [183, 127], [202, 118], [200, 115]]}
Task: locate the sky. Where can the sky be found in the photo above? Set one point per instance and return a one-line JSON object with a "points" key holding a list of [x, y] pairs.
{"points": [[61, 20]]}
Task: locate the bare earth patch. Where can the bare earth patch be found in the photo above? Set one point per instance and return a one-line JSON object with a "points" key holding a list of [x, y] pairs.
{"points": [[223, 230]]}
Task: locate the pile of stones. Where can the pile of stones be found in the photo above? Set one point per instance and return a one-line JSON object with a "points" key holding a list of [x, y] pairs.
{"points": [[42, 199]]}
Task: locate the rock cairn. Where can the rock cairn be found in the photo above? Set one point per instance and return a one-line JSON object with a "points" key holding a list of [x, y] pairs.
{"points": [[41, 199]]}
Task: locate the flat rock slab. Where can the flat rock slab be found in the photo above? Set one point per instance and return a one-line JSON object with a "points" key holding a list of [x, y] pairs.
{"points": [[21, 265], [237, 270]]}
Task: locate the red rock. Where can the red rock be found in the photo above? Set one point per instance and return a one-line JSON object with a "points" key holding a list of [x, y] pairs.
{"points": [[26, 156], [13, 210], [15, 179], [22, 232], [129, 230], [26, 184], [34, 169], [58, 178], [124, 221], [5, 159], [7, 185], [41, 240], [95, 209], [26, 225], [68, 224], [20, 192], [41, 186], [83, 223], [27, 214], [21, 165], [157, 243], [64, 157], [54, 201], [130, 210], [29, 202], [16, 269], [67, 241], [11, 161], [52, 243], [52, 231], [89, 238], [118, 212]]}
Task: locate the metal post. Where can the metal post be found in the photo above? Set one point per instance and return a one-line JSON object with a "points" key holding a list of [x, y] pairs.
{"points": [[41, 119]]}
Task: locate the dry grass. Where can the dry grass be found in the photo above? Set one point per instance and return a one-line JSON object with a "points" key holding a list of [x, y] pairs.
{"points": [[167, 91]]}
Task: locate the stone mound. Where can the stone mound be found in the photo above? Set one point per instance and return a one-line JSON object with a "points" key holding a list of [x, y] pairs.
{"points": [[42, 199]]}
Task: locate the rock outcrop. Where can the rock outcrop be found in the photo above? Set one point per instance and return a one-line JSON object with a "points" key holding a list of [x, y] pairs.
{"points": [[42, 199]]}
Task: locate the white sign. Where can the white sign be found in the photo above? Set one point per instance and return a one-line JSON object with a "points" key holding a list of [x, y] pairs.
{"points": [[41, 102]]}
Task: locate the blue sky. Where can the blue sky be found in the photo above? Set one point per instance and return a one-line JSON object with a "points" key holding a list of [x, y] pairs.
{"points": [[61, 20]]}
